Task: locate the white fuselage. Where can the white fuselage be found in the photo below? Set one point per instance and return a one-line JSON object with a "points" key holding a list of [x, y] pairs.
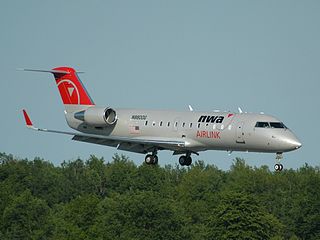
{"points": [[200, 130]]}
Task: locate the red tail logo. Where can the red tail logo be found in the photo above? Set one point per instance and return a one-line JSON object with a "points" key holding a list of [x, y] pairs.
{"points": [[70, 87]]}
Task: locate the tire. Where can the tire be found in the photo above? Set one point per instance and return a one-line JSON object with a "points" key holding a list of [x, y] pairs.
{"points": [[155, 159], [188, 161], [281, 167], [182, 160], [148, 159]]}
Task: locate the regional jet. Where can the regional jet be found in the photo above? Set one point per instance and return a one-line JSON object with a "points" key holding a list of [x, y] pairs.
{"points": [[149, 131]]}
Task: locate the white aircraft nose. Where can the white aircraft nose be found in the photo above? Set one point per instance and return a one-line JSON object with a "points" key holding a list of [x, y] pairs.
{"points": [[295, 144], [292, 142], [298, 145]]}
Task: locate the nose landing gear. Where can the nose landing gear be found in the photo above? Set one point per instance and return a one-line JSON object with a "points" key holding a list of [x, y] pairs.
{"points": [[278, 166]]}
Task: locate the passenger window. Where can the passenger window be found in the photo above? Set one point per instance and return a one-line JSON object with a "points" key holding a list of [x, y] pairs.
{"points": [[146, 123], [176, 124], [183, 124], [168, 124], [198, 125], [262, 125], [160, 124], [190, 125], [153, 123]]}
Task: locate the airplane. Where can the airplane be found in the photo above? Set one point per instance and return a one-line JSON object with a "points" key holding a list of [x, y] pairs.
{"points": [[149, 131]]}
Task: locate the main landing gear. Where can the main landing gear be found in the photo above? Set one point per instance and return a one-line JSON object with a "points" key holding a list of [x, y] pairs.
{"points": [[185, 160], [278, 166], [151, 159]]}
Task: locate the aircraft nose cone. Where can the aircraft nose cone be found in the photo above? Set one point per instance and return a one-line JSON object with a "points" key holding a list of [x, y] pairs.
{"points": [[297, 144], [287, 141], [293, 142]]}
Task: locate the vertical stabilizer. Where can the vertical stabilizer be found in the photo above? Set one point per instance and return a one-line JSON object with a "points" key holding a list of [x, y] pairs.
{"points": [[73, 94], [71, 89]]}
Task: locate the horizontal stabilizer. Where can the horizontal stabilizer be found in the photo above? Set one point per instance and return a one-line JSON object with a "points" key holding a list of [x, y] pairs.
{"points": [[70, 87], [46, 71]]}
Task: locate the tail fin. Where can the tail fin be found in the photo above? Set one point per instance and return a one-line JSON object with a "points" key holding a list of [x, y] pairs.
{"points": [[70, 87], [73, 94]]}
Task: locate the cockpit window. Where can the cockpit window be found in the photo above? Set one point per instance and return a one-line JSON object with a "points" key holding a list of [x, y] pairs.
{"points": [[277, 125], [270, 125], [262, 125]]}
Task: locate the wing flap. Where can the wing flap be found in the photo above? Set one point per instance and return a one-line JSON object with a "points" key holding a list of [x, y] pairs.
{"points": [[96, 140]]}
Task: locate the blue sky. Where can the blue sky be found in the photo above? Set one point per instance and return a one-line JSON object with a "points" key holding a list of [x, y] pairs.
{"points": [[259, 55]]}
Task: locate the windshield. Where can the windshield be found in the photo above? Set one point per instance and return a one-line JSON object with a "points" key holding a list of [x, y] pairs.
{"points": [[270, 125], [277, 125], [262, 125]]}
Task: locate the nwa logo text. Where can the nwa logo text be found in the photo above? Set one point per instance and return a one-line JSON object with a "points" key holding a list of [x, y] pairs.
{"points": [[211, 119]]}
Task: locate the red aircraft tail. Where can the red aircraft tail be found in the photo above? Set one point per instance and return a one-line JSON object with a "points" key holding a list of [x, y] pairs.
{"points": [[70, 87]]}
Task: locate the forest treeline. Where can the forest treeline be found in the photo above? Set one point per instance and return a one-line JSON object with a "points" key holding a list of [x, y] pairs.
{"points": [[98, 199]]}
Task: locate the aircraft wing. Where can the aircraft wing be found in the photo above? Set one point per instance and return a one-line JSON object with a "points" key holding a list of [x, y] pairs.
{"points": [[133, 144]]}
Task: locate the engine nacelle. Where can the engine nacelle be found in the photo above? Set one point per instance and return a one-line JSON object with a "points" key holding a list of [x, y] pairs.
{"points": [[96, 116]]}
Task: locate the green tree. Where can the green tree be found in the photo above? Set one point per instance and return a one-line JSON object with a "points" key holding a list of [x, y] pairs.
{"points": [[92, 199], [97, 170], [74, 219], [140, 215], [306, 209], [25, 217], [197, 195], [119, 174], [239, 216]]}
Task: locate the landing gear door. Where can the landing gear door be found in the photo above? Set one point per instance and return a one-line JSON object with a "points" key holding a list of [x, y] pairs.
{"points": [[240, 133]]}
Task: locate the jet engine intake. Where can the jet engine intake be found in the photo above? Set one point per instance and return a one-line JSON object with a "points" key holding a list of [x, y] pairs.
{"points": [[96, 116]]}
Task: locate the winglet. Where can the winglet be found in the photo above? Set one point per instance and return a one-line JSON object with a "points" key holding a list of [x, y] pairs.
{"points": [[27, 119]]}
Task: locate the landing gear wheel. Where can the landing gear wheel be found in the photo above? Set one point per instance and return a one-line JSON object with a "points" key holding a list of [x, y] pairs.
{"points": [[155, 159], [188, 161], [281, 167], [278, 167], [151, 159], [182, 160], [148, 159], [185, 160]]}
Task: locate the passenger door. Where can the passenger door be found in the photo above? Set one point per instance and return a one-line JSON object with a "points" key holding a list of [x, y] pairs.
{"points": [[240, 133]]}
